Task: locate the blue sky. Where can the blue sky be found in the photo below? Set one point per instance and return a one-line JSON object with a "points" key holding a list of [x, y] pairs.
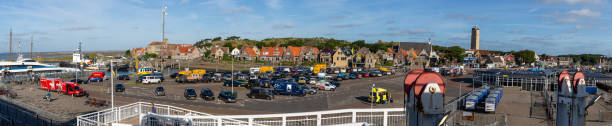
{"points": [[546, 26]]}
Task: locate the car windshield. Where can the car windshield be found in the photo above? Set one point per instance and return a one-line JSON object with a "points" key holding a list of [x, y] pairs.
{"points": [[160, 89], [190, 91], [119, 85]]}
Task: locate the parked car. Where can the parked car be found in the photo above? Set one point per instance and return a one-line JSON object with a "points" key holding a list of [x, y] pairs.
{"points": [[190, 94], [310, 90], [227, 96], [323, 85], [289, 88], [265, 82], [237, 83], [335, 83], [207, 94], [95, 79], [352, 76], [119, 87], [79, 81], [123, 77], [173, 75], [159, 91], [151, 80], [366, 74], [207, 78], [260, 93], [217, 78], [302, 80]]}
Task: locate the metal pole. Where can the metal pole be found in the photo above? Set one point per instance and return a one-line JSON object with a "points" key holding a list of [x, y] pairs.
{"points": [[112, 88], [232, 75], [372, 105]]}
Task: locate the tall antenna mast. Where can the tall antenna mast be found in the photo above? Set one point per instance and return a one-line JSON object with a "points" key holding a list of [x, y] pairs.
{"points": [[11, 44], [31, 46], [164, 22]]}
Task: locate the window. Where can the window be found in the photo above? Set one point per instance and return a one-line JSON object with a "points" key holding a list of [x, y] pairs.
{"points": [[276, 53]]}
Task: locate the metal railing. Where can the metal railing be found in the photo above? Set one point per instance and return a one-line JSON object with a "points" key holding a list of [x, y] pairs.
{"points": [[379, 116], [158, 114]]}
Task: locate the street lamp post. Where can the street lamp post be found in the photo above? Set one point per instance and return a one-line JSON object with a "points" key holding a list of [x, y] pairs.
{"points": [[112, 88]]}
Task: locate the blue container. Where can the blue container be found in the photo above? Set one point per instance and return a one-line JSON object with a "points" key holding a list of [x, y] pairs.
{"points": [[591, 90]]}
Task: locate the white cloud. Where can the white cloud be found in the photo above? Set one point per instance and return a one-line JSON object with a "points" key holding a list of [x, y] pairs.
{"points": [[283, 26], [516, 31], [238, 10], [274, 4], [344, 25], [193, 16], [138, 1], [227, 6], [567, 20], [533, 10], [575, 1], [584, 12]]}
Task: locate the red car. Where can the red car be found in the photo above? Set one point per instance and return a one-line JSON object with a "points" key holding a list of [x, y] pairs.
{"points": [[366, 74]]}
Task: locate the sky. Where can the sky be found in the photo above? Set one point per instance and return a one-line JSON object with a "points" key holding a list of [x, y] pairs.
{"points": [[552, 27]]}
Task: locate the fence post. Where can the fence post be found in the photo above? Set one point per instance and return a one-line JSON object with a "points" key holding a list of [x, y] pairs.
{"points": [[354, 118], [250, 121], [219, 121], [98, 123], [385, 118], [284, 121], [318, 119], [119, 109]]}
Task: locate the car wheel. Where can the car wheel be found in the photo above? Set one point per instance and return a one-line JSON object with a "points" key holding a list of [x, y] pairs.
{"points": [[333, 89], [269, 98]]}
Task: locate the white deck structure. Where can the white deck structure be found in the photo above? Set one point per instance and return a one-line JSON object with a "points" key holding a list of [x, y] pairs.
{"points": [[170, 115]]}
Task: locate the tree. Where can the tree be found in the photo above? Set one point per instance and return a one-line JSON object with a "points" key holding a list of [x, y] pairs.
{"points": [[526, 56], [358, 44], [233, 38], [127, 53], [149, 55], [455, 53], [228, 45], [200, 43], [216, 39], [207, 53], [239, 46]]}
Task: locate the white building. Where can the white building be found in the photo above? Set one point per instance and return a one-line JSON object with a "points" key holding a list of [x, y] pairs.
{"points": [[235, 52], [76, 58]]}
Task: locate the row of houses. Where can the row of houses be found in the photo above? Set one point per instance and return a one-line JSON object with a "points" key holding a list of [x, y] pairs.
{"points": [[479, 58], [170, 51], [405, 53]]}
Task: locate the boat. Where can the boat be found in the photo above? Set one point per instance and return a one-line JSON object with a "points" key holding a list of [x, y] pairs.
{"points": [[25, 65]]}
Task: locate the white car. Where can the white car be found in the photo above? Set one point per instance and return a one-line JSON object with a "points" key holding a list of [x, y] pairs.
{"points": [[151, 80], [323, 85]]}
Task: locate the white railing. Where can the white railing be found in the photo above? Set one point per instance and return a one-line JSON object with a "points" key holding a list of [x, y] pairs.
{"points": [[380, 117], [170, 115], [108, 116]]}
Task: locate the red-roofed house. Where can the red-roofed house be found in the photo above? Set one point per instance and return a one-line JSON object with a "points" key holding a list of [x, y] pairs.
{"points": [[186, 52], [293, 54], [247, 53], [309, 53], [155, 47], [271, 53], [218, 52], [136, 52]]}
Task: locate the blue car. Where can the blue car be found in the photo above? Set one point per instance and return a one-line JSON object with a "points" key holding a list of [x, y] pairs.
{"points": [[95, 79], [335, 83], [352, 76]]}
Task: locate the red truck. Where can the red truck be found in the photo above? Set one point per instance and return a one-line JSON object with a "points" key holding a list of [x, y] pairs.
{"points": [[96, 75], [57, 85]]}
